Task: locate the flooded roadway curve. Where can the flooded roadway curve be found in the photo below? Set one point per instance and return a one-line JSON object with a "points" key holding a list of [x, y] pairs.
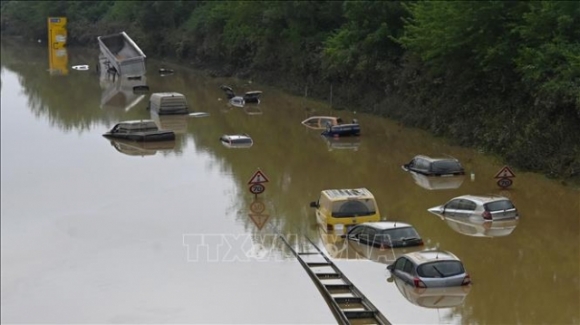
{"points": [[99, 231]]}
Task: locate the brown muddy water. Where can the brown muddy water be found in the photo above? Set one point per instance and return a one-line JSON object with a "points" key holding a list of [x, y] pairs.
{"points": [[96, 231]]}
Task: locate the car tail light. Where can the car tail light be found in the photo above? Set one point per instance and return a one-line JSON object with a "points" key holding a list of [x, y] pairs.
{"points": [[418, 283], [466, 280], [486, 215]]}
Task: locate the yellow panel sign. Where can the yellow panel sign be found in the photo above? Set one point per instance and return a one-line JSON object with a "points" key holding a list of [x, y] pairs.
{"points": [[57, 53], [57, 32]]}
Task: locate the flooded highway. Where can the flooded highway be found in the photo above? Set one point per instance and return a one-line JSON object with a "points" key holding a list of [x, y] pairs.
{"points": [[114, 231]]}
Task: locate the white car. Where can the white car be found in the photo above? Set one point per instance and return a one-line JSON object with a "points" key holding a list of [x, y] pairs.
{"points": [[487, 208], [236, 141]]}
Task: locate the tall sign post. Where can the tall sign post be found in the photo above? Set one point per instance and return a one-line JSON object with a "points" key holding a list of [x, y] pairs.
{"points": [[257, 208]]}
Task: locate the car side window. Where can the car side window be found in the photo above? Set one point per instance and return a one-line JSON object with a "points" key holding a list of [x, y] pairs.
{"points": [[467, 205], [425, 164], [408, 268], [364, 235], [400, 263], [453, 204], [412, 163], [356, 231]]}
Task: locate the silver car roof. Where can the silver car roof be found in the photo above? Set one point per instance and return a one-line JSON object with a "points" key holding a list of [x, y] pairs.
{"points": [[481, 198], [432, 159], [382, 225], [422, 257]]}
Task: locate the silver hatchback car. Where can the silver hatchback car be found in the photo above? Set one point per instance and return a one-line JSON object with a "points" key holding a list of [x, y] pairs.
{"points": [[485, 208], [428, 269]]}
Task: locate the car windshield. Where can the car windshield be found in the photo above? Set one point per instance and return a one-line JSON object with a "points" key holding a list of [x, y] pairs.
{"points": [[352, 208], [445, 166], [499, 205], [400, 233], [440, 269]]}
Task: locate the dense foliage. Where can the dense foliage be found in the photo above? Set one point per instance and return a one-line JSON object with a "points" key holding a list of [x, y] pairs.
{"points": [[502, 76]]}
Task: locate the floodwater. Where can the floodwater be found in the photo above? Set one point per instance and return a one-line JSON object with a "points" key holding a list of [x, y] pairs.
{"points": [[95, 231]]}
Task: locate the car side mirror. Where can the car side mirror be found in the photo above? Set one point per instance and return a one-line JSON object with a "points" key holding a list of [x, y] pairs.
{"points": [[390, 267], [313, 204], [343, 236]]}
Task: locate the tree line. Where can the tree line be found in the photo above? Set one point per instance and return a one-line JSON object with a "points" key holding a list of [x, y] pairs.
{"points": [[500, 76]]}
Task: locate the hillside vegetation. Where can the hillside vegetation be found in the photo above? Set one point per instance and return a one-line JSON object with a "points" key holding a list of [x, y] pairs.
{"points": [[500, 76]]}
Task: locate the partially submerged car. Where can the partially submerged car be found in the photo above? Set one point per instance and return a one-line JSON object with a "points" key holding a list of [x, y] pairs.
{"points": [[168, 103], [441, 297], [429, 166], [338, 247], [485, 208], [385, 234], [320, 122], [426, 269], [342, 130], [344, 208], [438, 183], [139, 130], [252, 96], [236, 141], [333, 126], [237, 101]]}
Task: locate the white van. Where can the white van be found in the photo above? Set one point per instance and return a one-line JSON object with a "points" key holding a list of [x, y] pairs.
{"points": [[168, 103]]}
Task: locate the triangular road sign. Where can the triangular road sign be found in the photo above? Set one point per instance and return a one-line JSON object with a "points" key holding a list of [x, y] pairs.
{"points": [[259, 219], [258, 178], [505, 172]]}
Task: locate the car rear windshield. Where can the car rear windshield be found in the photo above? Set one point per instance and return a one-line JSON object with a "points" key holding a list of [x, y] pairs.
{"points": [[446, 166], [440, 269], [242, 141], [400, 233], [353, 208], [499, 205]]}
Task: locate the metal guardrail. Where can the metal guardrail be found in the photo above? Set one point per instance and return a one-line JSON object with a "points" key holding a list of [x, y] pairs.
{"points": [[348, 304]]}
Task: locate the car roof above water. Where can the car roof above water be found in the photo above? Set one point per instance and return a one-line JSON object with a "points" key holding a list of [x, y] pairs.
{"points": [[344, 194], [434, 159], [383, 225], [482, 198], [138, 124], [431, 256]]}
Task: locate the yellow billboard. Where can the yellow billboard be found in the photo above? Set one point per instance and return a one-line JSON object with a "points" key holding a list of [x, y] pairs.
{"points": [[57, 53]]}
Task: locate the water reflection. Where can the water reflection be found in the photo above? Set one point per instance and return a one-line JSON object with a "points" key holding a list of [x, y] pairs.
{"points": [[133, 148], [437, 182], [478, 228], [445, 297], [176, 123], [253, 110], [121, 92], [342, 143], [58, 61]]}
